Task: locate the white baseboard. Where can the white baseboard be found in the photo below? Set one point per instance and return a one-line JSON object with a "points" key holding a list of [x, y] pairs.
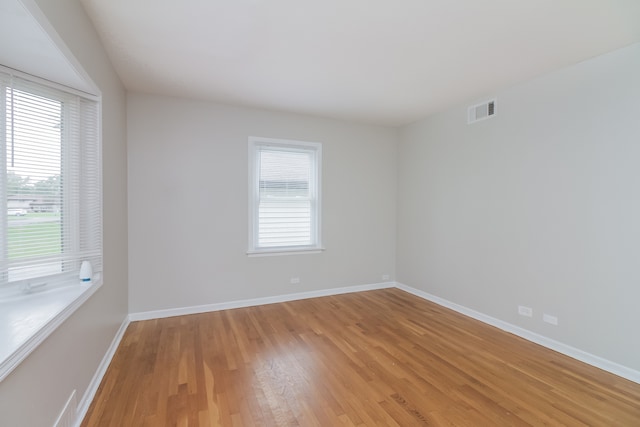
{"points": [[159, 314], [567, 350], [90, 393]]}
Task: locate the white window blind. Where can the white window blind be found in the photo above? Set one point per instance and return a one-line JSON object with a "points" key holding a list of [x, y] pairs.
{"points": [[285, 190], [50, 183]]}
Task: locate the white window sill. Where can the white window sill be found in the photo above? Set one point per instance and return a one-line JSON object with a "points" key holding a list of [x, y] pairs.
{"points": [[27, 320], [284, 251]]}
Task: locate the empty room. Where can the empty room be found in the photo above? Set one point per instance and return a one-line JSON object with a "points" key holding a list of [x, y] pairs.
{"points": [[336, 213]]}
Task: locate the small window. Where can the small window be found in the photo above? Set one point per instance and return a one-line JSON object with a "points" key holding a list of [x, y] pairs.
{"points": [[284, 191]]}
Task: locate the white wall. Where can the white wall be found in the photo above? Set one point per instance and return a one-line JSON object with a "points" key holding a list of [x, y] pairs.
{"points": [[36, 391], [188, 204], [539, 206]]}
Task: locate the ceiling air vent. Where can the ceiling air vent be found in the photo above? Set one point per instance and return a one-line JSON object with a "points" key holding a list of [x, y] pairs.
{"points": [[481, 111]]}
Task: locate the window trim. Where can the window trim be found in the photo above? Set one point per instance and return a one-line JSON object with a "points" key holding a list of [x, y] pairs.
{"points": [[254, 176]]}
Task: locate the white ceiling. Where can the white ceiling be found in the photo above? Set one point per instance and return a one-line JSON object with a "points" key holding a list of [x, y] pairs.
{"points": [[375, 61]]}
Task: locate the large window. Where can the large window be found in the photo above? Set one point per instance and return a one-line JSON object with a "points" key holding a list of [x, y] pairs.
{"points": [[50, 185], [284, 190]]}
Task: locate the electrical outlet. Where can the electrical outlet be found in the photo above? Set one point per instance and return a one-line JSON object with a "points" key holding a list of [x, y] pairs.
{"points": [[385, 277], [525, 311], [295, 280], [550, 319]]}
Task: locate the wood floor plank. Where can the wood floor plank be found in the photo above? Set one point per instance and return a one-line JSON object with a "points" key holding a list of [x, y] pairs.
{"points": [[376, 358]]}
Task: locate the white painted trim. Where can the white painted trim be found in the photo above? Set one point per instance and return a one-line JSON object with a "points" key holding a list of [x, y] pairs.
{"points": [[67, 415], [159, 314], [90, 393], [567, 350], [285, 252]]}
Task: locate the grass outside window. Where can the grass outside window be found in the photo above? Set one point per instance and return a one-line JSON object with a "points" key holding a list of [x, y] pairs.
{"points": [[22, 229]]}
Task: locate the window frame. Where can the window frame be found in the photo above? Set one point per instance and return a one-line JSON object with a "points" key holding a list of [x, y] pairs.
{"points": [[315, 183], [72, 180]]}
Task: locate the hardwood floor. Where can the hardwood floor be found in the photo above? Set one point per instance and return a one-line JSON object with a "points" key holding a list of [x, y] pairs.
{"points": [[377, 358]]}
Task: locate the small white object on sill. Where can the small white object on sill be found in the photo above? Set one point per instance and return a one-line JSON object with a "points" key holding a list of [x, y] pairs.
{"points": [[85, 271]]}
